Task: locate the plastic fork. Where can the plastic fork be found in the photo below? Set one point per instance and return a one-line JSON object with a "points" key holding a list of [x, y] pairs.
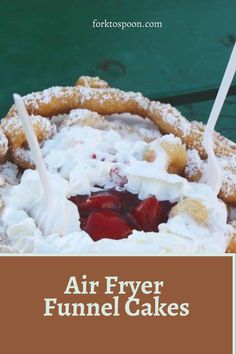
{"points": [[212, 174], [52, 213]]}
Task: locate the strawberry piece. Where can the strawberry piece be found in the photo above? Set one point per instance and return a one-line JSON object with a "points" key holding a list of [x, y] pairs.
{"points": [[114, 214], [148, 214], [107, 224], [101, 201]]}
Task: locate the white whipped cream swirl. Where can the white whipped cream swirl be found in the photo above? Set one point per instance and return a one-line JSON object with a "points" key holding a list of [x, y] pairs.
{"points": [[82, 160]]}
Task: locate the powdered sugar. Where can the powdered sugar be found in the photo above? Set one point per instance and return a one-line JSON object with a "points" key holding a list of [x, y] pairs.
{"points": [[80, 116], [172, 117], [44, 97], [171, 139], [3, 144], [229, 183], [8, 173], [9, 176], [23, 155], [194, 163], [228, 165], [13, 126], [86, 157]]}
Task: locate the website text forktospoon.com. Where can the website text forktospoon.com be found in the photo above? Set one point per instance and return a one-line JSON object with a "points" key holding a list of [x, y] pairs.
{"points": [[125, 24]]}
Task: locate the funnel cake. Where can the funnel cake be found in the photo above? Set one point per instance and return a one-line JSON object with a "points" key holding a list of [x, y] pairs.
{"points": [[95, 95], [9, 176], [3, 146], [135, 181]]}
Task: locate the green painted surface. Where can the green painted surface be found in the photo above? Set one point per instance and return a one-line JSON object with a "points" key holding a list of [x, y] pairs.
{"points": [[227, 121], [45, 43]]}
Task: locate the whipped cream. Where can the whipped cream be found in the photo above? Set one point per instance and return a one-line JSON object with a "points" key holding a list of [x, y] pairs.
{"points": [[9, 176], [82, 160]]}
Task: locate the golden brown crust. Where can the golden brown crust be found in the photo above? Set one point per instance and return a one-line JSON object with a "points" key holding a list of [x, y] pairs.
{"points": [[193, 208], [60, 100], [232, 245], [107, 101], [193, 177], [177, 156], [22, 157], [169, 120], [228, 190], [93, 82], [194, 166], [15, 133], [3, 146], [149, 155]]}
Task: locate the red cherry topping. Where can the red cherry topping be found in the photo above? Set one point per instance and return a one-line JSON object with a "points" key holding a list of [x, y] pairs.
{"points": [[107, 224], [165, 210], [148, 214], [101, 201], [114, 214]]}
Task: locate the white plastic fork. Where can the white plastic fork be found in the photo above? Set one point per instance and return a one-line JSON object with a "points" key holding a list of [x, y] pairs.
{"points": [[212, 174], [52, 213]]}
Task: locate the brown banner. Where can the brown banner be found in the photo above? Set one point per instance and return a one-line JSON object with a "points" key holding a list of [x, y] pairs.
{"points": [[116, 304]]}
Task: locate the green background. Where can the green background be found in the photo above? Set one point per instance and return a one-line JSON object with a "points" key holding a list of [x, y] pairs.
{"points": [[45, 43]]}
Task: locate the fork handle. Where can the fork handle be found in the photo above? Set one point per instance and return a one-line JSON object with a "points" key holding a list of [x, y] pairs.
{"points": [[34, 146], [222, 93]]}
